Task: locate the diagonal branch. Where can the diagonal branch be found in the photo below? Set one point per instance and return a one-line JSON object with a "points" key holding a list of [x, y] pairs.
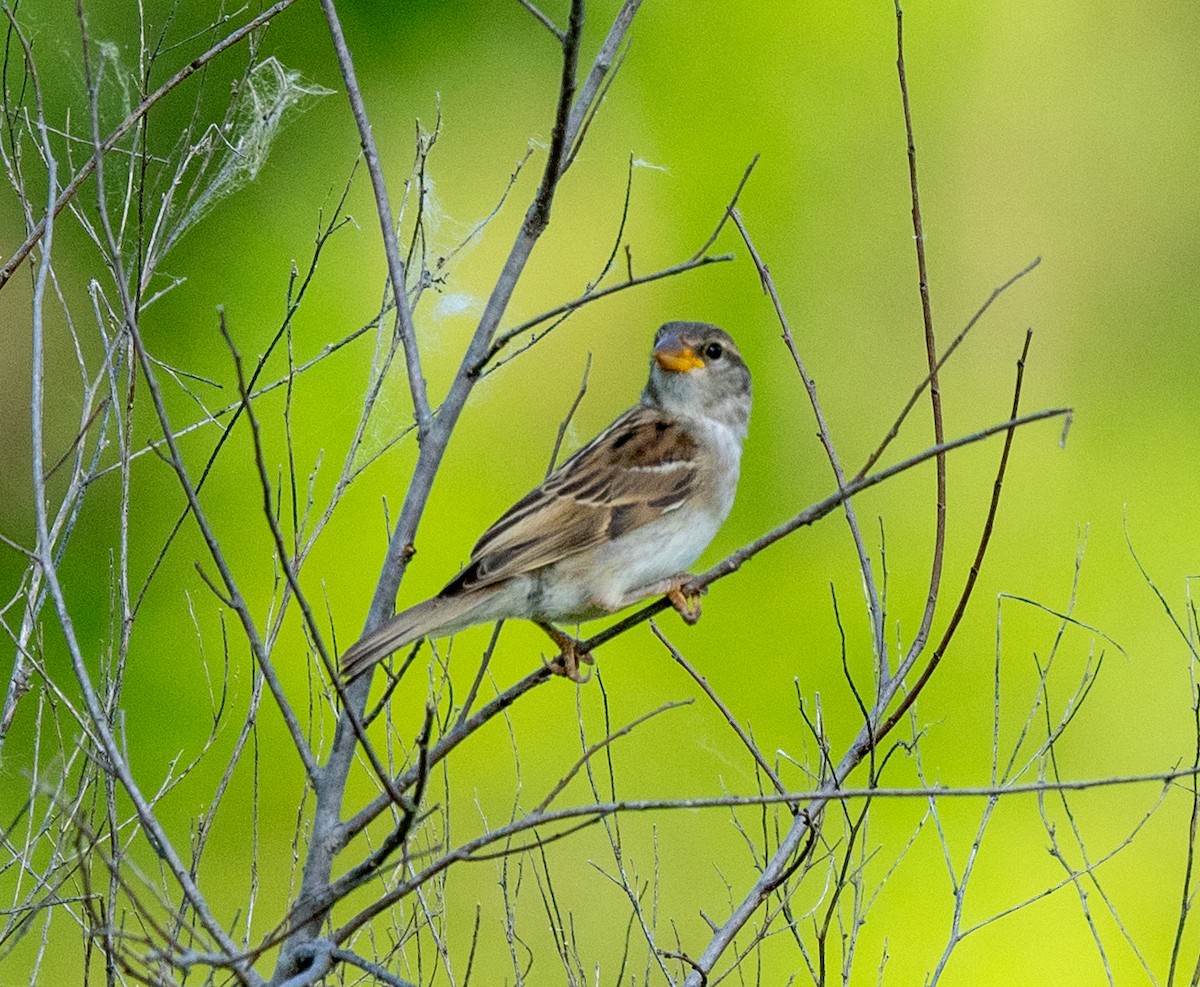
{"points": [[544, 20], [874, 604], [730, 564], [892, 432]]}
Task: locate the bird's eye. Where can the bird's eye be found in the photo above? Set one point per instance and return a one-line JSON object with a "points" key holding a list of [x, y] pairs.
{"points": [[713, 351]]}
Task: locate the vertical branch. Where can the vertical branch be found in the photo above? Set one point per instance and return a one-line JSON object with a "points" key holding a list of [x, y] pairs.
{"points": [[874, 603], [569, 114], [404, 318], [935, 394], [985, 538], [95, 708]]}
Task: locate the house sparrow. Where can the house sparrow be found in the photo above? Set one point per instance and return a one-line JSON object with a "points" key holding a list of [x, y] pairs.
{"points": [[619, 521]]}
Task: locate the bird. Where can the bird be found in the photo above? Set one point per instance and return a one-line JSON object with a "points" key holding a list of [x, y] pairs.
{"points": [[618, 522]]}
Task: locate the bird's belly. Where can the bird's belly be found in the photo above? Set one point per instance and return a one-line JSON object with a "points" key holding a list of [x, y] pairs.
{"points": [[665, 548], [600, 580]]}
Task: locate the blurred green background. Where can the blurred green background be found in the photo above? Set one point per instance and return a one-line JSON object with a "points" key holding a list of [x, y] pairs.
{"points": [[1065, 130]]}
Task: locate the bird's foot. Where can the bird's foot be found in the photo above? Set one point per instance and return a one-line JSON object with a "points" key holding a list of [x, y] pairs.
{"points": [[571, 653], [686, 601]]}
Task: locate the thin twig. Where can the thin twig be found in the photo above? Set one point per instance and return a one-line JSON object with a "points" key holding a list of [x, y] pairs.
{"points": [[404, 317], [311, 626], [874, 604], [506, 337], [566, 422], [545, 21], [935, 392], [725, 711], [894, 430], [730, 211], [600, 745], [984, 539]]}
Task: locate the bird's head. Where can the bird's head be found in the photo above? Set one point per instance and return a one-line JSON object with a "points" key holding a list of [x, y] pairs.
{"points": [[696, 370]]}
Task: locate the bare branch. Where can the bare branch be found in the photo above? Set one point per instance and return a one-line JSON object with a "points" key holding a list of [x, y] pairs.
{"points": [[935, 393], [726, 712], [545, 21], [984, 539], [506, 337], [566, 422], [874, 604], [404, 318]]}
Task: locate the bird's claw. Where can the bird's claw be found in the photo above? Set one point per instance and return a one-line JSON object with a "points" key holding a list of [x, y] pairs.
{"points": [[567, 663], [686, 602], [571, 653]]}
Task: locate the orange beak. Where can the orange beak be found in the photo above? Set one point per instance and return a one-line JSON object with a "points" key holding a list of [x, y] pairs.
{"points": [[678, 361]]}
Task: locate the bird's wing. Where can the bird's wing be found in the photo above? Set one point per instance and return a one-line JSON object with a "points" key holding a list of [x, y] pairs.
{"points": [[641, 467]]}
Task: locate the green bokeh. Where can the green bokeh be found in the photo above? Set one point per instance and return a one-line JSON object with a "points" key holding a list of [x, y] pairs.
{"points": [[1067, 130]]}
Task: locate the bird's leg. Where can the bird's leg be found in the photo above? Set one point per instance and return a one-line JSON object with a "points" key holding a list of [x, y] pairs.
{"points": [[572, 655]]}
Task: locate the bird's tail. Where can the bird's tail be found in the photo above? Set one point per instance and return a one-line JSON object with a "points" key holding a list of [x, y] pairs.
{"points": [[439, 615]]}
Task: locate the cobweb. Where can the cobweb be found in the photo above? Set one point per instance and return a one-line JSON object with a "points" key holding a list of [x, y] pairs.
{"points": [[270, 93]]}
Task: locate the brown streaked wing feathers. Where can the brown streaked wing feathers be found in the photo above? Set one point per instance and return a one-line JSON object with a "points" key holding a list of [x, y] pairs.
{"points": [[634, 472]]}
